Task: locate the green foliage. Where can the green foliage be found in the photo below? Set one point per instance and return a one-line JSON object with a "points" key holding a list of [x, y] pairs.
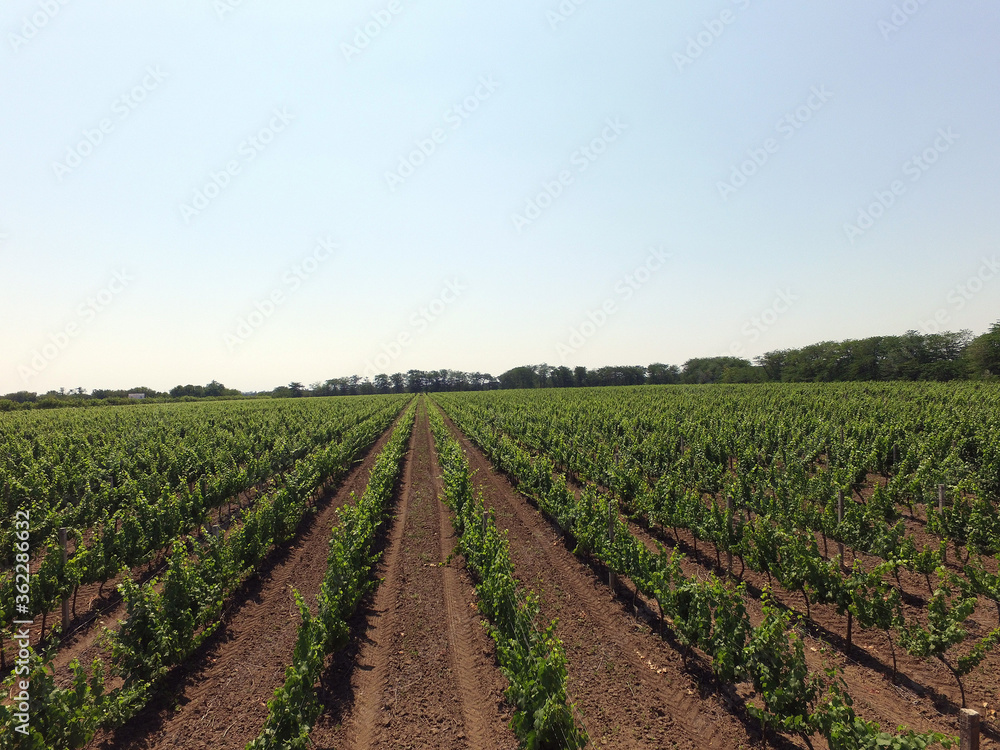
{"points": [[532, 660], [946, 613], [983, 354], [519, 433], [141, 479], [774, 660], [835, 719], [169, 617], [295, 706], [60, 717]]}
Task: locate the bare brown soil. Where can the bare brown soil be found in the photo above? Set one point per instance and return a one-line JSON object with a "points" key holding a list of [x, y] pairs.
{"points": [[421, 671]]}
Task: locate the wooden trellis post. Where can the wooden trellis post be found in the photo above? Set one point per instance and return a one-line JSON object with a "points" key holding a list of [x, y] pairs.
{"points": [[729, 520], [840, 519], [64, 543], [612, 578], [944, 552], [968, 726]]}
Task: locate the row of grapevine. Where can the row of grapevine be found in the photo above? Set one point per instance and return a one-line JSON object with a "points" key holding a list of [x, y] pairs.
{"points": [[704, 614], [71, 468], [775, 539], [532, 659], [727, 441], [139, 527], [295, 706], [169, 617]]}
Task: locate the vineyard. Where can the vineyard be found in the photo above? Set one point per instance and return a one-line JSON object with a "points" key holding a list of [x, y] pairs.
{"points": [[666, 566]]}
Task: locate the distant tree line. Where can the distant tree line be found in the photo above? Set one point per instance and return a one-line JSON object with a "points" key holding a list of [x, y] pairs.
{"points": [[412, 381], [113, 397], [912, 356], [214, 389], [546, 376]]}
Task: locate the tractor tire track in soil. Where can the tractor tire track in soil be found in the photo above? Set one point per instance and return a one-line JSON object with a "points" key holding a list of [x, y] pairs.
{"points": [[424, 673], [628, 683], [219, 698]]}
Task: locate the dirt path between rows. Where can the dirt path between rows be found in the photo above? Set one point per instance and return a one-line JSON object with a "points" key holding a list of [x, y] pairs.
{"points": [[219, 699], [628, 684], [421, 671]]}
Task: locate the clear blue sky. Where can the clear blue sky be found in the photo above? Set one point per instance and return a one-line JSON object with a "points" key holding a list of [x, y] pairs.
{"points": [[482, 180]]}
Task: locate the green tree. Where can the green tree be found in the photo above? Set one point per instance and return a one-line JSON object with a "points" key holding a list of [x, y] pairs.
{"points": [[983, 354], [215, 389], [416, 381], [563, 377], [709, 369], [520, 377], [22, 397], [659, 374]]}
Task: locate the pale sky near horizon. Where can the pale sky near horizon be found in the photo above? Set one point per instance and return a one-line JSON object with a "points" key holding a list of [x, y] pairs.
{"points": [[258, 193]]}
